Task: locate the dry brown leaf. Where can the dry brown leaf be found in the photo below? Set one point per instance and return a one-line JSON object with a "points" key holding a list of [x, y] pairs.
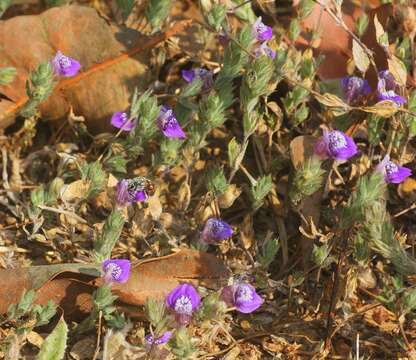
{"points": [[227, 199], [71, 285], [74, 191], [155, 206], [247, 231], [107, 76]]}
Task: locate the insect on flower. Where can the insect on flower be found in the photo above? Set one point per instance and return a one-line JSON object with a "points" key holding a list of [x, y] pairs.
{"points": [[243, 296], [215, 230], [120, 120], [393, 173], [386, 88], [168, 123], [183, 300], [354, 88], [116, 270], [261, 31], [336, 145], [64, 65], [132, 190]]}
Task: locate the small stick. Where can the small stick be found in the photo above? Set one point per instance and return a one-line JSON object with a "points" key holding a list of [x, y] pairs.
{"points": [[97, 345]]}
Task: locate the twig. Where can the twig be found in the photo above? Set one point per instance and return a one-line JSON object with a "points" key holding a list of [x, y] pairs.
{"points": [[400, 213], [97, 345], [65, 212]]}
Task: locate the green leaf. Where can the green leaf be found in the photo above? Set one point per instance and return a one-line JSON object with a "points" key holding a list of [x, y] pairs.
{"points": [[216, 181], [45, 313], [155, 310], [305, 8], [53, 348], [233, 150], [96, 176], [216, 16], [181, 344], [268, 252], [362, 24], [261, 189], [109, 236], [126, 6], [157, 11], [7, 74], [294, 29], [116, 164], [193, 88]]}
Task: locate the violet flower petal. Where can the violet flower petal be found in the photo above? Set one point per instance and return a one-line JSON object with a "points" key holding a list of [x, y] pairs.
{"points": [[393, 173], [184, 299], [116, 270], [169, 125], [215, 230], [336, 145], [261, 31], [64, 65], [160, 340], [354, 88], [246, 299], [266, 50], [386, 88], [121, 121]]}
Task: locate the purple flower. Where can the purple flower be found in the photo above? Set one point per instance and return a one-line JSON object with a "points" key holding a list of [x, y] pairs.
{"points": [[116, 270], [184, 299], [261, 31], [354, 88], [392, 172], [168, 123], [120, 120], [64, 65], [336, 145], [131, 190], [264, 49], [386, 88], [160, 340], [203, 74], [243, 296], [215, 230]]}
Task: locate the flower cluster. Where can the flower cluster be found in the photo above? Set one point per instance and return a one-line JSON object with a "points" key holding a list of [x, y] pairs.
{"points": [[392, 172], [64, 65], [215, 230], [336, 145], [166, 121], [116, 270], [355, 88], [205, 75], [184, 300], [262, 33]]}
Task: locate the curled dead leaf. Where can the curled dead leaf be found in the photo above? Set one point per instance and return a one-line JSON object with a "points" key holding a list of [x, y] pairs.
{"points": [[385, 108], [76, 190], [227, 199], [247, 231]]}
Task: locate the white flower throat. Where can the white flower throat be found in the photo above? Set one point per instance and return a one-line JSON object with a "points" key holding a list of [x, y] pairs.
{"points": [[183, 305]]}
